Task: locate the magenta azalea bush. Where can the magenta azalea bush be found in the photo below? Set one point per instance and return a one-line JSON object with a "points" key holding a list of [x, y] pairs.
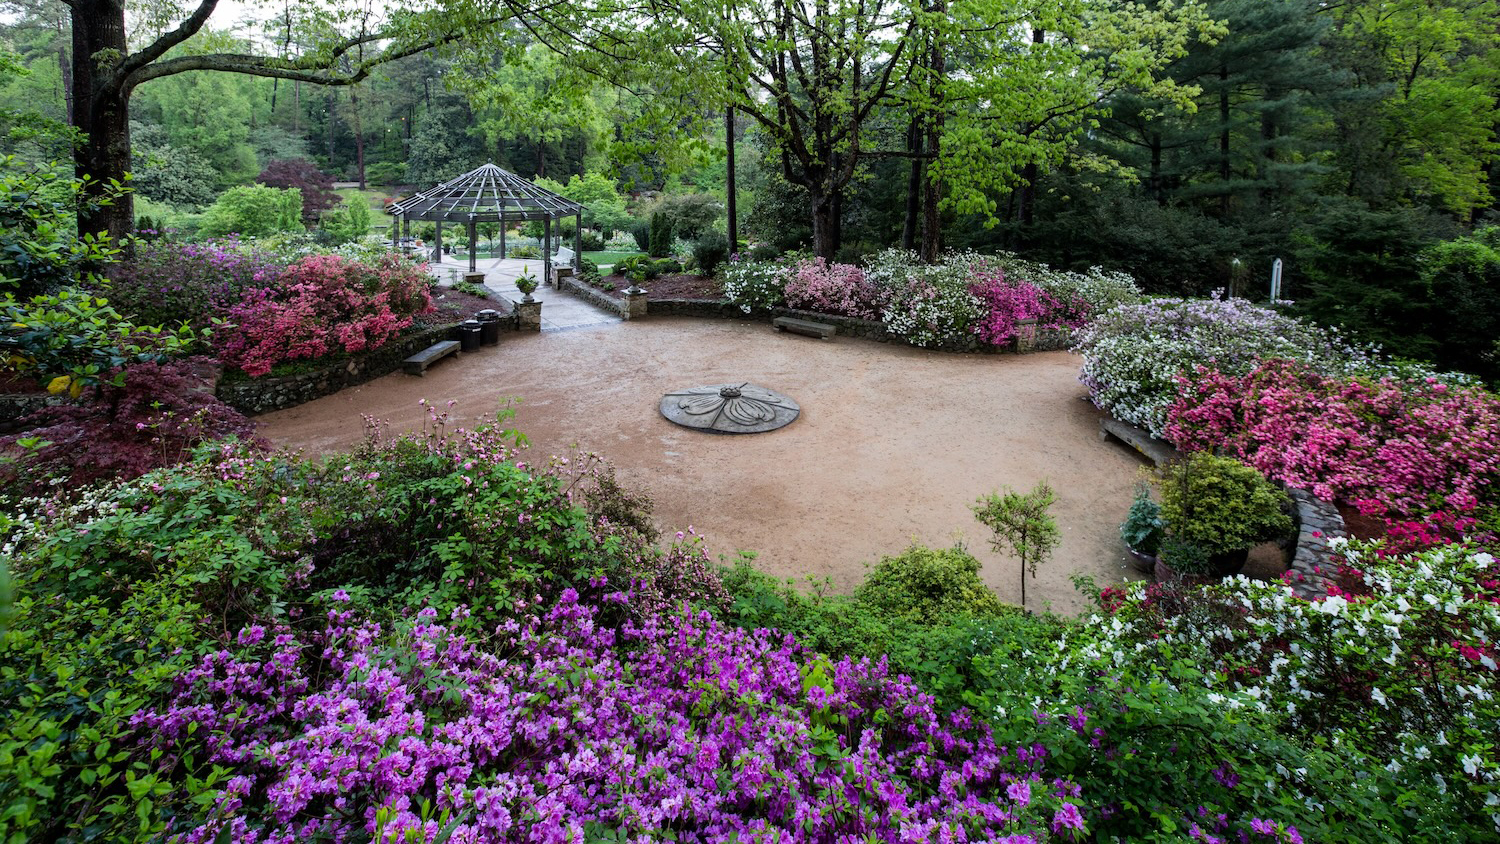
{"points": [[319, 305], [843, 289], [559, 729], [1421, 454], [1008, 302]]}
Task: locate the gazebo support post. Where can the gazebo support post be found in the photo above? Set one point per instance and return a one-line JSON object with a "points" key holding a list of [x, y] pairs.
{"points": [[395, 232], [437, 244], [578, 244], [546, 250], [502, 232], [473, 246]]}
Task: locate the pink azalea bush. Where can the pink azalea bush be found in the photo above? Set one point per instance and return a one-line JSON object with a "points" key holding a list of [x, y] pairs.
{"points": [[816, 285], [1422, 454], [319, 305], [558, 727], [1008, 301]]}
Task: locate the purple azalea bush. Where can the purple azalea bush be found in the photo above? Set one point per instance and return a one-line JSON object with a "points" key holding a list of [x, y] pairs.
{"points": [[558, 728]]}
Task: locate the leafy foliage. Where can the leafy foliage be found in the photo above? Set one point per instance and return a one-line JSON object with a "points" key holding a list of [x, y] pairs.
{"points": [[1219, 504], [1020, 522], [72, 340], [39, 249], [253, 211], [315, 186], [928, 586]]}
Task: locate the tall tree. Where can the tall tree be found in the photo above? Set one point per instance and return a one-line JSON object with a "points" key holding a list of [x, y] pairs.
{"points": [[106, 71]]}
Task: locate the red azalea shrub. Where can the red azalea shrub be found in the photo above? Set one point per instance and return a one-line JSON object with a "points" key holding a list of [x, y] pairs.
{"points": [[841, 289], [1423, 455], [319, 305], [1008, 302], [154, 419]]}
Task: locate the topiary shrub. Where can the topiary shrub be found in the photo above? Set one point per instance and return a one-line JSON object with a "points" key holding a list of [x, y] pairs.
{"points": [[659, 243], [710, 251], [640, 231], [929, 586], [588, 270]]}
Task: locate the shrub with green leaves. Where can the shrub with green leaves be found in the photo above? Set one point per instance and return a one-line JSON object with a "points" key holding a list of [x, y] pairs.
{"points": [[928, 586], [711, 250], [253, 211]]}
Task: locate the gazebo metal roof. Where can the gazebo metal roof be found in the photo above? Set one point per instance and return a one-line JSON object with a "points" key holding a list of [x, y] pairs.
{"points": [[487, 194]]}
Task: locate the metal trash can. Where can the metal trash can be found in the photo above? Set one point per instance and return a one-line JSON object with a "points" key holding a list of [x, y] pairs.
{"points": [[489, 326], [468, 335]]}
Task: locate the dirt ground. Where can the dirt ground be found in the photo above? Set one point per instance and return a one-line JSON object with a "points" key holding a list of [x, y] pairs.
{"points": [[892, 446]]}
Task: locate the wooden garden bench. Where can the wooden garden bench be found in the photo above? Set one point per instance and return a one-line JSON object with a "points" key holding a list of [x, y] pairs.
{"points": [[417, 364], [805, 327]]}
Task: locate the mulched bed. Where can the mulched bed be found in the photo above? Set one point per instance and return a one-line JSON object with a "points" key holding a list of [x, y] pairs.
{"points": [[685, 286], [453, 306], [1359, 525]]}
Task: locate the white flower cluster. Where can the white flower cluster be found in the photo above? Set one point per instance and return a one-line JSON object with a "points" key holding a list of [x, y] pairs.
{"points": [[754, 284]]}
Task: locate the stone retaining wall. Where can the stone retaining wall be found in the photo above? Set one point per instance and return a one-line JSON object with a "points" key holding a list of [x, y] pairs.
{"points": [[1317, 521], [864, 329], [14, 407], [593, 295], [263, 395]]}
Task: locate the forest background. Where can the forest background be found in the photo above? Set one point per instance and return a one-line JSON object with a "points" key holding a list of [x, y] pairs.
{"points": [[1189, 145]]}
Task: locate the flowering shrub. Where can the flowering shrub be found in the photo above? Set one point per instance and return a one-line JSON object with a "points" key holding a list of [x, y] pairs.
{"points": [[816, 285], [170, 282], [1406, 673], [564, 726], [1134, 354], [1080, 294], [1007, 302], [1418, 451], [753, 284], [319, 305], [927, 305]]}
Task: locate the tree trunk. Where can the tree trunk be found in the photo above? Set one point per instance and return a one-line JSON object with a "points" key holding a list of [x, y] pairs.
{"points": [[932, 192], [101, 111], [65, 73], [913, 186], [1224, 171], [825, 225], [1158, 191], [729, 186], [359, 137]]}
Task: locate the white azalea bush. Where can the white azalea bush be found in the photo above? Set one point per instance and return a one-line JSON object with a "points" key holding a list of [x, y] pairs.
{"points": [[928, 304], [1401, 671], [1133, 354], [754, 285], [1093, 292]]}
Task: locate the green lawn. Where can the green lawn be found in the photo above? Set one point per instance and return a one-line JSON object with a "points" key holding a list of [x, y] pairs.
{"points": [[606, 260]]}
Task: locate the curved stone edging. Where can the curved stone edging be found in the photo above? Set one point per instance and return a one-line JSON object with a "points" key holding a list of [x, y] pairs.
{"points": [[1317, 520], [16, 406]]}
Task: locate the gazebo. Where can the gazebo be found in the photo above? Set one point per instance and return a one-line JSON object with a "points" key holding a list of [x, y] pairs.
{"points": [[488, 194]]}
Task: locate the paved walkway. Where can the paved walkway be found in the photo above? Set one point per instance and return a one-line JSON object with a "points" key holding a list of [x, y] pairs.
{"points": [[560, 311]]}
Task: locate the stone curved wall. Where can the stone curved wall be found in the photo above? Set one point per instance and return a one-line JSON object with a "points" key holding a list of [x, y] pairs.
{"points": [[1311, 568]]}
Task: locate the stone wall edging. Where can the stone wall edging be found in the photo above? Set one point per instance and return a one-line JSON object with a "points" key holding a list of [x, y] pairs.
{"points": [[1317, 521], [593, 295], [263, 395]]}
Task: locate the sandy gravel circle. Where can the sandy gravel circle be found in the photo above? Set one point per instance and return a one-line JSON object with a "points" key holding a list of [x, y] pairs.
{"points": [[892, 446]]}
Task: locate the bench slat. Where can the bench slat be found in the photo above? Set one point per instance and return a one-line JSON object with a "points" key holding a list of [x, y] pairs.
{"points": [[804, 327], [417, 364]]}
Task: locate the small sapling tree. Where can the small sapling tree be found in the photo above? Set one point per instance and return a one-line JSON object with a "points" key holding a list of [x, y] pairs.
{"points": [[1021, 526]]}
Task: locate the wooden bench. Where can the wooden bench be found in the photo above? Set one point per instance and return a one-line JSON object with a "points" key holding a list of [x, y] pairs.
{"points": [[1153, 449], [805, 327], [417, 364]]}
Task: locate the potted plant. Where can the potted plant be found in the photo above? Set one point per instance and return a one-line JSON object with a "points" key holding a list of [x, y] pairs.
{"points": [[526, 283], [1142, 529], [1221, 507]]}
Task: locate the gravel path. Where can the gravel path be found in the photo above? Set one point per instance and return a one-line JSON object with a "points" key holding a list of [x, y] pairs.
{"points": [[892, 447]]}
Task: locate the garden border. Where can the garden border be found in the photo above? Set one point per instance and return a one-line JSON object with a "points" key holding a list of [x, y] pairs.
{"points": [[1317, 521], [263, 395]]}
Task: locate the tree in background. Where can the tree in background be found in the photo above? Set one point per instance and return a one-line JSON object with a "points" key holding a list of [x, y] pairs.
{"points": [[315, 185], [165, 173], [349, 220]]}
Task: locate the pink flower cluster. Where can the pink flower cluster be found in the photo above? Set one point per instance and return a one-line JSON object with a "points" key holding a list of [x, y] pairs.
{"points": [[558, 725], [1008, 302], [1423, 455], [319, 305], [842, 289]]}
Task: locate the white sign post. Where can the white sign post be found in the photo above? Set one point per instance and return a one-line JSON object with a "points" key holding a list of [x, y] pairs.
{"points": [[1276, 281]]}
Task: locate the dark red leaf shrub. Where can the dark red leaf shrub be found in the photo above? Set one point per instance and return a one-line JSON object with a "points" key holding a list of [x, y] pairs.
{"points": [[299, 173], [319, 305], [155, 419]]}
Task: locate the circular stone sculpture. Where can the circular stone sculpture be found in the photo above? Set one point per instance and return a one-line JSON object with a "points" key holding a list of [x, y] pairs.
{"points": [[729, 409]]}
